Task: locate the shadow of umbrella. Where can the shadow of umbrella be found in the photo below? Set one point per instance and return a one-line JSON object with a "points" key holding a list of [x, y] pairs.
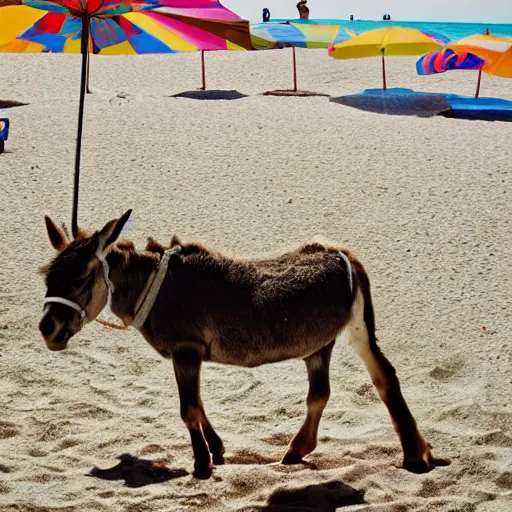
{"points": [[397, 102], [210, 95], [11, 104], [325, 497]]}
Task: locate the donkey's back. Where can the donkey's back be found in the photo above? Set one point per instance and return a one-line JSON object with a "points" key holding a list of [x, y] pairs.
{"points": [[252, 312]]}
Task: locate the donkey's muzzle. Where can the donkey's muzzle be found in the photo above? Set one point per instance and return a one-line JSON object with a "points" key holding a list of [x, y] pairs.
{"points": [[47, 326], [55, 334]]}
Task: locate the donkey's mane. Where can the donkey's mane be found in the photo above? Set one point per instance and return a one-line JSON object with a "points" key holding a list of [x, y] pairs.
{"points": [[187, 249]]}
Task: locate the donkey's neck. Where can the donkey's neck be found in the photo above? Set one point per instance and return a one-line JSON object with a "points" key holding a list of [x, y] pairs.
{"points": [[129, 273]]}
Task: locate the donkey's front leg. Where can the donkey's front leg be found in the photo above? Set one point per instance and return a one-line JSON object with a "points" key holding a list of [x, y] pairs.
{"points": [[318, 373], [187, 367]]}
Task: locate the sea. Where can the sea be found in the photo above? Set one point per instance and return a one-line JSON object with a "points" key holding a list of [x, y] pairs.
{"points": [[450, 30]]}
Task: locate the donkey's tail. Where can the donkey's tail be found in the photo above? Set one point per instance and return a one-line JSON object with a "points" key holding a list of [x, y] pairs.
{"points": [[362, 318]]}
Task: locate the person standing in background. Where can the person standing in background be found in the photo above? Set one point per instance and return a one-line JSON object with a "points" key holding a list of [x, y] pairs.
{"points": [[303, 10]]}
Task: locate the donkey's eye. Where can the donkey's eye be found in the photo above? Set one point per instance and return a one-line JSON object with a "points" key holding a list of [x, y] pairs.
{"points": [[78, 283]]}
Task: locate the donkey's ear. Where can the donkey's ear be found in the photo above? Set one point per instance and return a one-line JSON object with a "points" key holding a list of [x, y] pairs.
{"points": [[58, 237], [110, 233]]}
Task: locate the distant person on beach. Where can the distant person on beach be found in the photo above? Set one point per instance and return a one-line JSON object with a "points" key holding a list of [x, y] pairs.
{"points": [[266, 15], [303, 10]]}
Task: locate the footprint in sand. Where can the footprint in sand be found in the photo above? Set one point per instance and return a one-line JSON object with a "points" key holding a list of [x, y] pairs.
{"points": [[505, 480], [366, 394], [248, 457], [8, 430], [495, 438], [36, 452], [278, 439], [241, 393], [5, 469], [446, 371]]}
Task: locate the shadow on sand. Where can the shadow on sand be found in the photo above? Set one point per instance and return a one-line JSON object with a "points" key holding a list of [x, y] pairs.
{"points": [[138, 472], [210, 95], [326, 497], [296, 94], [11, 104]]}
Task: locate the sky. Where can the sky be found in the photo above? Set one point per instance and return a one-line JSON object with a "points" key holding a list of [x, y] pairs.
{"points": [[485, 11]]}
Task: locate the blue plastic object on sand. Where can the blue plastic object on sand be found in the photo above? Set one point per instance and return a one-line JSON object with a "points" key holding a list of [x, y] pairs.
{"points": [[4, 132], [425, 104]]}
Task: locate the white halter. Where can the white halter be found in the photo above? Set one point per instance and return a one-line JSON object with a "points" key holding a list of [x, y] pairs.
{"points": [[73, 305]]}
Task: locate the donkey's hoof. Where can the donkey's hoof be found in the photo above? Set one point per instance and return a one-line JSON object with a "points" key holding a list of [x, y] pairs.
{"points": [[218, 459], [419, 465], [203, 472], [292, 458]]}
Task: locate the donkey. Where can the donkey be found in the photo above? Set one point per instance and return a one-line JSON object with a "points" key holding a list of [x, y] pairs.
{"points": [[194, 305]]}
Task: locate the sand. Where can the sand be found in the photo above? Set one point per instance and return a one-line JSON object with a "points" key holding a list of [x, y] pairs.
{"points": [[425, 203]]}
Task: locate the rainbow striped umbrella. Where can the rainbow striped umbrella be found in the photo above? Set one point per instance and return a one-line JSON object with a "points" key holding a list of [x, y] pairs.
{"points": [[113, 27], [120, 26], [271, 35], [448, 60]]}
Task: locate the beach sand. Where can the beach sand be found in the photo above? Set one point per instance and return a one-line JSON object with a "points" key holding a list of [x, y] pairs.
{"points": [[425, 204]]}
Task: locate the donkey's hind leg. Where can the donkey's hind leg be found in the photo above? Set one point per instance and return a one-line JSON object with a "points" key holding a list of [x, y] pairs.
{"points": [[417, 457], [214, 442], [319, 390], [187, 367]]}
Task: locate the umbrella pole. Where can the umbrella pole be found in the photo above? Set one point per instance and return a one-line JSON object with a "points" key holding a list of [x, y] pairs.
{"points": [[88, 90], [203, 70], [479, 83], [83, 88], [384, 83], [294, 70]]}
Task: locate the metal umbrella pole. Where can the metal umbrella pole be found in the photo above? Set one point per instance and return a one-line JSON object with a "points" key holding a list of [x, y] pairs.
{"points": [[83, 88]]}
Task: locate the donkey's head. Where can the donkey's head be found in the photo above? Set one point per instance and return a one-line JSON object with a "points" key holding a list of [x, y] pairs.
{"points": [[76, 280]]}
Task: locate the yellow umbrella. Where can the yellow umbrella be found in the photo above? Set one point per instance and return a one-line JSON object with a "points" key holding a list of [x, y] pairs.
{"points": [[496, 51], [386, 41]]}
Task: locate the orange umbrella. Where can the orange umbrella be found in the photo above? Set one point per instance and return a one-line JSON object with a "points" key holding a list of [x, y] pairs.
{"points": [[496, 51]]}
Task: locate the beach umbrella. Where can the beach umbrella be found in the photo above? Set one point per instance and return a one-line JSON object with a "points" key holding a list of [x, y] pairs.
{"points": [[199, 25], [390, 41], [495, 51], [272, 35], [112, 27], [447, 60]]}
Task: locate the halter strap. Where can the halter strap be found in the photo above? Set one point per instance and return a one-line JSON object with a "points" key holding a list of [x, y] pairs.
{"points": [[66, 302], [73, 305], [149, 300]]}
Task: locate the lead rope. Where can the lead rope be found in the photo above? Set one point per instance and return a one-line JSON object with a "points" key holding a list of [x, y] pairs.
{"points": [[149, 300]]}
